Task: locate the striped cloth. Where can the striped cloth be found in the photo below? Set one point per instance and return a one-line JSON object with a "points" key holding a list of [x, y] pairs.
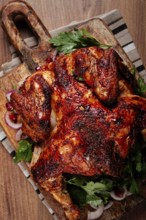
{"points": [[117, 25]]}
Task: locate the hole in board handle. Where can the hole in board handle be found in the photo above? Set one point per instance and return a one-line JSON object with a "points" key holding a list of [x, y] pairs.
{"points": [[30, 38]]}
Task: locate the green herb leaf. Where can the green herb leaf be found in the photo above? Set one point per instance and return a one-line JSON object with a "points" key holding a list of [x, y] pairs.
{"points": [[77, 194], [133, 71], [80, 79], [97, 193], [24, 151], [91, 188], [143, 171], [66, 42], [139, 162], [140, 81], [135, 167], [77, 181], [94, 200], [141, 84], [133, 187]]}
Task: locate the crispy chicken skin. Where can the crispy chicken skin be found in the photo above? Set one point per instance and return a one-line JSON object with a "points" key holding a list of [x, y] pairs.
{"points": [[33, 104], [95, 67], [98, 69], [91, 137]]}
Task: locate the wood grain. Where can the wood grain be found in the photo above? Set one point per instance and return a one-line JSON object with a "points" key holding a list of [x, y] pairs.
{"points": [[17, 198]]}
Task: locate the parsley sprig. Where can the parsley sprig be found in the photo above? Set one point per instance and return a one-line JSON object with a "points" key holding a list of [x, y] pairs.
{"points": [[140, 81], [66, 42], [96, 190], [135, 168], [24, 151], [89, 192]]}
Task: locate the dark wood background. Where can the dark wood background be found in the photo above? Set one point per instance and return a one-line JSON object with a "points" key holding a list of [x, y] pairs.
{"points": [[18, 201]]}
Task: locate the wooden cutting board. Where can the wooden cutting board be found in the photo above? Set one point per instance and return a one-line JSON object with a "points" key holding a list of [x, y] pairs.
{"points": [[31, 57]]}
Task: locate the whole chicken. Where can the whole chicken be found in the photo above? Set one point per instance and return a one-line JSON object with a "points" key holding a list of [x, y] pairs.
{"points": [[98, 118]]}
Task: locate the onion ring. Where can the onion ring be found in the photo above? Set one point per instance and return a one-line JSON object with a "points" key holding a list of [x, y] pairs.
{"points": [[95, 214], [10, 123]]}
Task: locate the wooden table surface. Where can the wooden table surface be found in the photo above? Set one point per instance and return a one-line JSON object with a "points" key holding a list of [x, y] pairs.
{"points": [[18, 201]]}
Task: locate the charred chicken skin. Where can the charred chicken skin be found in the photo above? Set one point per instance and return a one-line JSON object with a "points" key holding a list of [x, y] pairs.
{"points": [[33, 103], [98, 69], [98, 119]]}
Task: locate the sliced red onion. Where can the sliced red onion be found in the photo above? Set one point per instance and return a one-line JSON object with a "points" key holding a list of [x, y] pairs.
{"points": [[94, 206], [129, 193], [9, 106], [95, 214], [10, 123], [108, 205], [18, 135], [24, 136], [118, 198], [8, 95]]}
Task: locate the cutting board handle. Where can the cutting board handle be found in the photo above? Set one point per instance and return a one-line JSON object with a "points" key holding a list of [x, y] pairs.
{"points": [[31, 56]]}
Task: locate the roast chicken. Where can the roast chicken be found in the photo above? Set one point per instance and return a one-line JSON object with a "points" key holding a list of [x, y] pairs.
{"points": [[98, 118]]}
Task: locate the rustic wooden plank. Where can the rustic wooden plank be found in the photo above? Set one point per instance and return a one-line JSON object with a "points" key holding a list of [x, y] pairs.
{"points": [[56, 13]]}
